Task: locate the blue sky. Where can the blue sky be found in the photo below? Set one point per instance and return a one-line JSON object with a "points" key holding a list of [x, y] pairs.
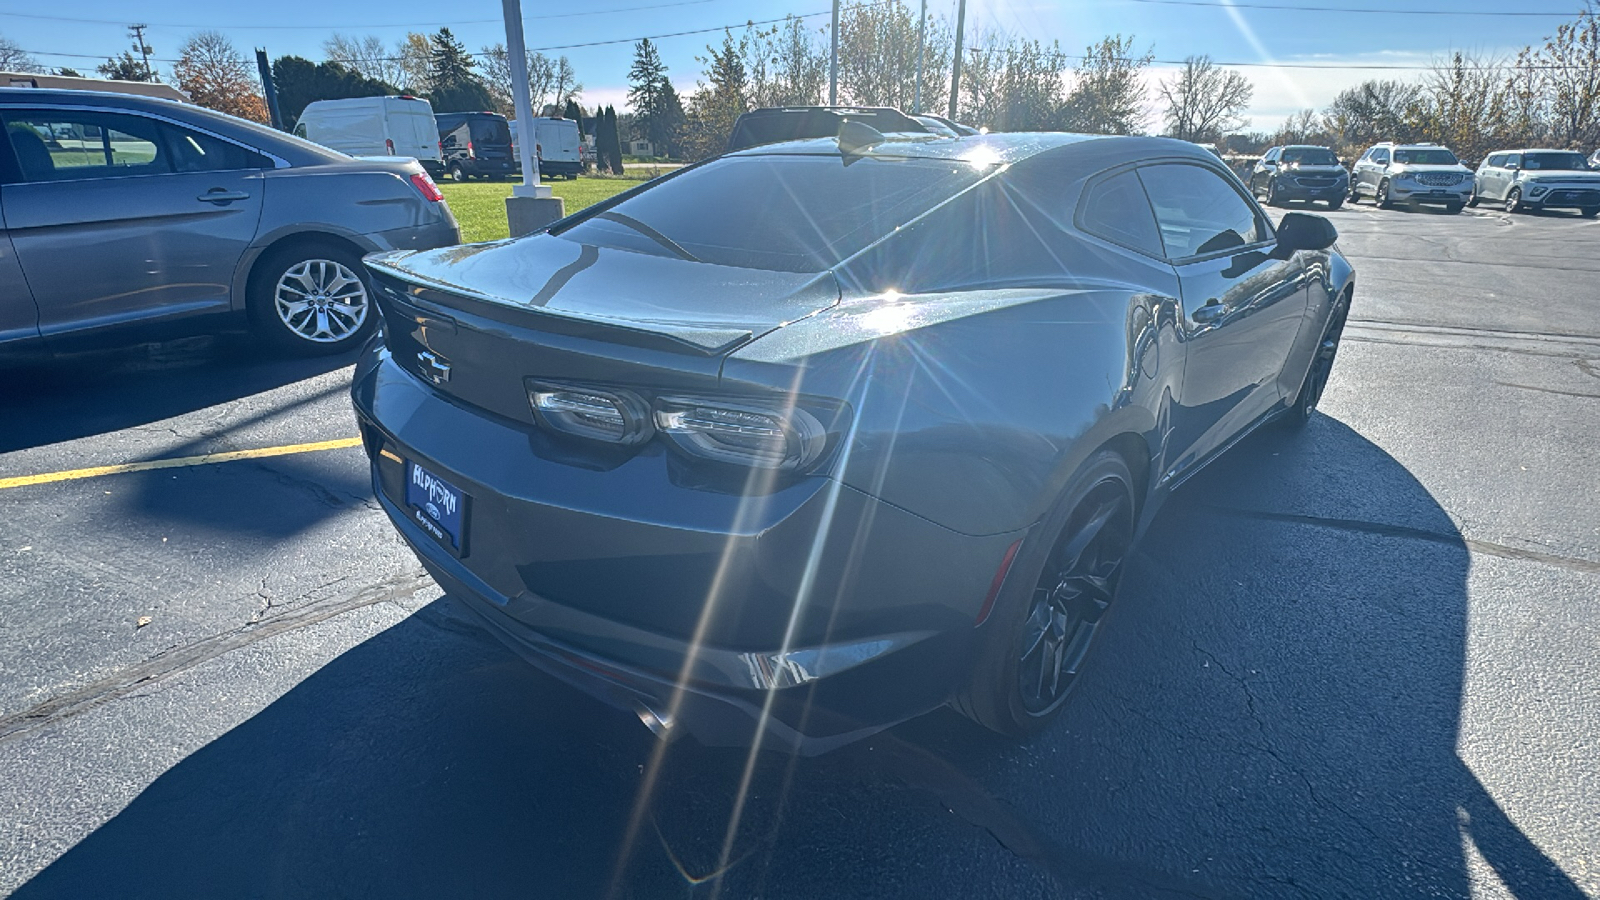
{"points": [[1247, 35]]}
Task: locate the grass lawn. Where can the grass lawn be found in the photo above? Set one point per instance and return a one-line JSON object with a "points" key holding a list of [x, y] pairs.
{"points": [[480, 206]]}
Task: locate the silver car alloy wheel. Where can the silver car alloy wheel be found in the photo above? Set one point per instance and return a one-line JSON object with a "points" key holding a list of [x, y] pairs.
{"points": [[321, 300]]}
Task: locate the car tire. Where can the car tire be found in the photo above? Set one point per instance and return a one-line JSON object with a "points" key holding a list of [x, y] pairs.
{"points": [[1298, 412], [1452, 208], [1381, 196], [1514, 201], [1052, 603], [311, 299], [1273, 197], [1335, 203], [1355, 195], [457, 174], [1589, 212], [1473, 199]]}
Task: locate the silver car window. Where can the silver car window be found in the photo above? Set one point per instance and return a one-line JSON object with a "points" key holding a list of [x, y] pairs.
{"points": [[61, 145]]}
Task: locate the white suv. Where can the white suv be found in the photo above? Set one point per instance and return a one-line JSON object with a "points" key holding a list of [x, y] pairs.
{"points": [[1393, 173]]}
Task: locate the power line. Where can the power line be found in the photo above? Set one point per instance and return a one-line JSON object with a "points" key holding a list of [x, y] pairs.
{"points": [[252, 27], [627, 40], [1387, 11]]}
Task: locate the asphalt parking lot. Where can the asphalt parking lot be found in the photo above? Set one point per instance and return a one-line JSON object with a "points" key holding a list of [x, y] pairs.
{"points": [[1363, 661]]}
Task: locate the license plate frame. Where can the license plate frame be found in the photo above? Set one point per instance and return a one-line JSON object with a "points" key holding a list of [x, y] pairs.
{"points": [[438, 507]]}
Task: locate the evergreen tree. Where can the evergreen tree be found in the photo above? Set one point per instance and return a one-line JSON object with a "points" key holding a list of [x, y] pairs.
{"points": [[575, 113], [613, 142], [455, 86]]}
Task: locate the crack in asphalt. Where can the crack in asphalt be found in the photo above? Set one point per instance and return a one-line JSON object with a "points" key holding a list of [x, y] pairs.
{"points": [[185, 657], [1489, 548], [1545, 390]]}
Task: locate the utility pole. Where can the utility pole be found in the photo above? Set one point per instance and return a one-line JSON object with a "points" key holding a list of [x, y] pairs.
{"points": [[268, 90], [833, 59], [955, 75], [137, 33], [922, 40], [531, 205]]}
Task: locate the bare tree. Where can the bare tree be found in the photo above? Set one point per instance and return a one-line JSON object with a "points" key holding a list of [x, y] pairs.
{"points": [[1462, 103], [416, 63], [1370, 112], [215, 75], [15, 59], [1108, 89], [1304, 127], [368, 56], [1204, 100], [496, 65], [1571, 64]]}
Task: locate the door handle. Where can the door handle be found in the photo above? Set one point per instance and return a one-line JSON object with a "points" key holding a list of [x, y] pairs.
{"points": [[222, 195], [1212, 312]]}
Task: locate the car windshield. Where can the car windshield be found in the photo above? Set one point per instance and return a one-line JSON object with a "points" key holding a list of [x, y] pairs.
{"points": [[1310, 156], [786, 213], [1554, 161], [1433, 156]]}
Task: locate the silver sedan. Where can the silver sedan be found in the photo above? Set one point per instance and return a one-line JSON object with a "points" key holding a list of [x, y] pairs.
{"points": [[131, 217]]}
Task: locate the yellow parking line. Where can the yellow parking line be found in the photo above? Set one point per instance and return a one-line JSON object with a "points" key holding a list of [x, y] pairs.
{"points": [[178, 462]]}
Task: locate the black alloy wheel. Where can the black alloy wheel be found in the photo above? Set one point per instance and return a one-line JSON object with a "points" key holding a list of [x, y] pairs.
{"points": [[1299, 412], [1044, 626]]}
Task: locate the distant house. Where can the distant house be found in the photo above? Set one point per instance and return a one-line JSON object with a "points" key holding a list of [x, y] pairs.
{"points": [[63, 82], [639, 148]]}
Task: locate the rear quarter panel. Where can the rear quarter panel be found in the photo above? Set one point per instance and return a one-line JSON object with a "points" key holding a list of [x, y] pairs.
{"points": [[972, 409]]}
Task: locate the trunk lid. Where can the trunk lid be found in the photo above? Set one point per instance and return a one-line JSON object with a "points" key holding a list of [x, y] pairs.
{"points": [[546, 308]]}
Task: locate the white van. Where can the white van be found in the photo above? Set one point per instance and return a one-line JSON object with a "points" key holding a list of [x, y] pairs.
{"points": [[557, 140], [375, 126]]}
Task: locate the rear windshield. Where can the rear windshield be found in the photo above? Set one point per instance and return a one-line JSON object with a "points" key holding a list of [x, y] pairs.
{"points": [[1310, 156], [786, 213], [1554, 161], [490, 131], [1431, 157]]}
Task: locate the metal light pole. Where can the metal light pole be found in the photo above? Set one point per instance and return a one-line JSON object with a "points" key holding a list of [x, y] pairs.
{"points": [[833, 60], [922, 41], [531, 205], [955, 75]]}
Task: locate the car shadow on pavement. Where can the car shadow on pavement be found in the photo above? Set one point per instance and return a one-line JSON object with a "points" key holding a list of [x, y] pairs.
{"points": [[1273, 713], [102, 391]]}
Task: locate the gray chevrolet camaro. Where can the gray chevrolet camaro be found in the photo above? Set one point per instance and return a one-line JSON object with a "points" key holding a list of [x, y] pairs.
{"points": [[809, 439], [131, 217]]}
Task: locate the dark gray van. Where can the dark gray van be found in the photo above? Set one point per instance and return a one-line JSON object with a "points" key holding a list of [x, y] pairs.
{"points": [[475, 144]]}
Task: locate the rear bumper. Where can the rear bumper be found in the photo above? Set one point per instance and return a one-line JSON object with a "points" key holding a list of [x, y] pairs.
{"points": [[813, 615]]}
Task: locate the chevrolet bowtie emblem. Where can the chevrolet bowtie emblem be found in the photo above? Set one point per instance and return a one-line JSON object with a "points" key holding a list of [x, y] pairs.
{"points": [[434, 367]]}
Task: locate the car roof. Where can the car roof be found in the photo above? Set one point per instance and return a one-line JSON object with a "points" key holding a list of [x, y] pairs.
{"points": [[1000, 147]]}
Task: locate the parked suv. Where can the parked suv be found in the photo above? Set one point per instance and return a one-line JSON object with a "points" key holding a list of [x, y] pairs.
{"points": [[1393, 173], [475, 144], [1300, 172], [1538, 179]]}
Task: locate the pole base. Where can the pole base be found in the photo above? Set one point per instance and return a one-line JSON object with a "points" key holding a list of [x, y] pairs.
{"points": [[526, 215]]}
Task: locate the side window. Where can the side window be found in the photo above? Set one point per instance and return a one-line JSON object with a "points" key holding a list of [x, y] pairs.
{"points": [[63, 145], [1495, 160], [1117, 209], [196, 152], [1513, 159], [1381, 157], [1273, 154], [300, 130], [1199, 212]]}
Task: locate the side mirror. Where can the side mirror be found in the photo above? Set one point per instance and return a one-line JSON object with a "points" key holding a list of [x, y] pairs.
{"points": [[1268, 163], [1300, 231]]}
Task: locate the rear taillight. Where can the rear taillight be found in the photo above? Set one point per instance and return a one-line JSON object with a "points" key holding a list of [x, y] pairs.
{"points": [[390, 145], [426, 187], [472, 152]]}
